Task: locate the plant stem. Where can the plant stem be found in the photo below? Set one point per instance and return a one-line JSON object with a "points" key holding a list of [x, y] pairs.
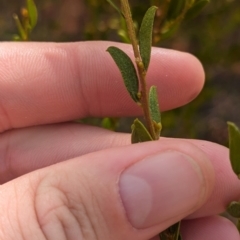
{"points": [[161, 13], [140, 67]]}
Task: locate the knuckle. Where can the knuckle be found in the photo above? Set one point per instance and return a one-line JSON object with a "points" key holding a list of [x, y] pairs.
{"points": [[67, 214]]}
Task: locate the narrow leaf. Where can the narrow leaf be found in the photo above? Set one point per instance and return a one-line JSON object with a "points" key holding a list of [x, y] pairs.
{"points": [[33, 13], [175, 9], [196, 9], [154, 105], [145, 36], [115, 7], [123, 32], [21, 30], [139, 132], [123, 35], [109, 123], [127, 70], [234, 209], [16, 37], [155, 111], [234, 146]]}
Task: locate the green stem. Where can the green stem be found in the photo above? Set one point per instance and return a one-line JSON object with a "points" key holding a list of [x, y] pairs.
{"points": [[141, 71]]}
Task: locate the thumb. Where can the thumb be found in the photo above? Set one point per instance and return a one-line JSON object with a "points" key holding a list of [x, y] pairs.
{"points": [[132, 192]]}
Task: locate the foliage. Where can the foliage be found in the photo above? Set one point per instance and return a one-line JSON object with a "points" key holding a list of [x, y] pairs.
{"points": [[145, 97], [213, 37], [27, 21]]}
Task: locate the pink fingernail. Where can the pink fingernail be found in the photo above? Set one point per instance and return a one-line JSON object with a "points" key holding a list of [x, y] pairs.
{"points": [[161, 187]]}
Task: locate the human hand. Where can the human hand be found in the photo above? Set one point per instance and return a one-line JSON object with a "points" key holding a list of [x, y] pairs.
{"points": [[102, 187]]}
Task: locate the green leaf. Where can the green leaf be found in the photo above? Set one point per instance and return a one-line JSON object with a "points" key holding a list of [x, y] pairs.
{"points": [[139, 132], [234, 209], [196, 9], [123, 32], [145, 36], [124, 36], [127, 70], [155, 111], [115, 7], [109, 123], [22, 33], [175, 8], [234, 146], [168, 30], [33, 13], [154, 105], [16, 37]]}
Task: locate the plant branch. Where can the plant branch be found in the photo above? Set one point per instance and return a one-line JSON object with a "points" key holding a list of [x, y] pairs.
{"points": [[140, 67]]}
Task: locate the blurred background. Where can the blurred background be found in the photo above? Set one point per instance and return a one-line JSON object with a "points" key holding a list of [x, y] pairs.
{"points": [[213, 37]]}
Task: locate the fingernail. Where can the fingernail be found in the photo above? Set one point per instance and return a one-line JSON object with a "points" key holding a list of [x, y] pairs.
{"points": [[161, 187]]}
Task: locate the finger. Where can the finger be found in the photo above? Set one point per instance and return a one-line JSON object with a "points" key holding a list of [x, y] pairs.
{"points": [[26, 150], [155, 238], [130, 192], [209, 228], [227, 185], [55, 82]]}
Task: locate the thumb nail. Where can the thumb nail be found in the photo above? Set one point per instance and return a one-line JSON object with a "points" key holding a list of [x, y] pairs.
{"points": [[161, 187]]}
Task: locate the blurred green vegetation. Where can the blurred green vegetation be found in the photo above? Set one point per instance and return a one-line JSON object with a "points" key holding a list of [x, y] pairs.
{"points": [[213, 37]]}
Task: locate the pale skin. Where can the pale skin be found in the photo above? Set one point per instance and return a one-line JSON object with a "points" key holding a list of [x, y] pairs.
{"points": [[98, 189]]}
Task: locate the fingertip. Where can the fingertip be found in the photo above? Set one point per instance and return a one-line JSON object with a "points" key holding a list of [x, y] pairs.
{"points": [[62, 81], [181, 76], [227, 187], [209, 228], [148, 188]]}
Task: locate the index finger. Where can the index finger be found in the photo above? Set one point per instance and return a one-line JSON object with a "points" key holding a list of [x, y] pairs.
{"points": [[43, 83]]}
